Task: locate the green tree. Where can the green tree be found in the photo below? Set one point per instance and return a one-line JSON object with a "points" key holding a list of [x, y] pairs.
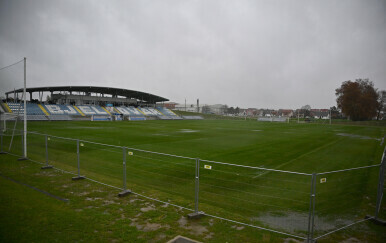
{"points": [[358, 100]]}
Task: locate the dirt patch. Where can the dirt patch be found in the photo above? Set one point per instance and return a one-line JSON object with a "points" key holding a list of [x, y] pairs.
{"points": [[165, 205], [160, 237], [148, 208], [209, 236], [351, 240], [211, 222], [108, 202], [291, 240], [45, 173], [192, 226], [237, 227], [97, 190], [92, 199], [146, 227]]}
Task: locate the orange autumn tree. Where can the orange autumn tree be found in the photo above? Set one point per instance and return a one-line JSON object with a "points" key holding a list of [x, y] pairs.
{"points": [[358, 100]]}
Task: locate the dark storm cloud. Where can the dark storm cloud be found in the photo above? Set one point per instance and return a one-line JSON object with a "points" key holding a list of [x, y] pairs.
{"points": [[247, 53]]}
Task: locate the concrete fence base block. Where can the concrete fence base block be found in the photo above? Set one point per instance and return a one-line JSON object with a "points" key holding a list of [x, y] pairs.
{"points": [[22, 158], [78, 178], [196, 215], [182, 239], [47, 167], [124, 193], [376, 221]]}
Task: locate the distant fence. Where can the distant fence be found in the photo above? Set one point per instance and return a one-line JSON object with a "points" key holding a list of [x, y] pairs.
{"points": [[301, 205]]}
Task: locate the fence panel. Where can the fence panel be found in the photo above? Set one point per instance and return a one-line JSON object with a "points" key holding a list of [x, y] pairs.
{"points": [[101, 163], [344, 198], [62, 153], [297, 204], [36, 147], [13, 142], [272, 200], [162, 177]]}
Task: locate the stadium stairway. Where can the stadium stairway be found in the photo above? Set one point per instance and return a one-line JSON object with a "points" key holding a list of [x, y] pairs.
{"points": [[104, 108], [168, 114], [44, 110], [80, 112]]}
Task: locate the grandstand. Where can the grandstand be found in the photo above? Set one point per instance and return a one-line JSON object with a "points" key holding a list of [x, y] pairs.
{"points": [[88, 103]]}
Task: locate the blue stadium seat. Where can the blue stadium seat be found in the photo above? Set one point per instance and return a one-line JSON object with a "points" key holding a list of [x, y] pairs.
{"points": [[61, 110], [32, 109], [130, 111]]}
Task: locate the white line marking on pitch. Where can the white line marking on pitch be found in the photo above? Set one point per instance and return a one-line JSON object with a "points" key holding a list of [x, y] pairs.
{"points": [[301, 156]]}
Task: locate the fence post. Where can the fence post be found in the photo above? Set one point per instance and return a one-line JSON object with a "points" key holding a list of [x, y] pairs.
{"points": [[311, 214], [77, 153], [196, 214], [125, 192], [381, 181], [47, 166]]}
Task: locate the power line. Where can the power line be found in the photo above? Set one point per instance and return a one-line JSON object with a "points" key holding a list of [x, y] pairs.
{"points": [[11, 64]]}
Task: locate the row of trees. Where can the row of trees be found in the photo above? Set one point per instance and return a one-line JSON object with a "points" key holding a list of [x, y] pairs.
{"points": [[357, 100]]}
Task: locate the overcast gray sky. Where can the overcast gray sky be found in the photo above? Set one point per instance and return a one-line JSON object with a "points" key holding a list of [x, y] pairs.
{"points": [[263, 54]]}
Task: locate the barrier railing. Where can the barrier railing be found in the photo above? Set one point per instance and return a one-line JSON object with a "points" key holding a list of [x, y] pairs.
{"points": [[301, 205]]}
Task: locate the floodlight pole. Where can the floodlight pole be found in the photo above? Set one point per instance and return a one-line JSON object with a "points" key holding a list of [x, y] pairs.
{"points": [[24, 137], [25, 107]]}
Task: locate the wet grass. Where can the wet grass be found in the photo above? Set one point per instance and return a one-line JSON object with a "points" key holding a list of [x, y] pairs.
{"points": [[250, 196]]}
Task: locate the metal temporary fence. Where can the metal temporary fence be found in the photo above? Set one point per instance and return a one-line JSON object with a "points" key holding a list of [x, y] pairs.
{"points": [[301, 205]]}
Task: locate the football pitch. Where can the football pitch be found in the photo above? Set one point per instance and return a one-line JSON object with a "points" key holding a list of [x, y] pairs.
{"points": [[254, 196]]}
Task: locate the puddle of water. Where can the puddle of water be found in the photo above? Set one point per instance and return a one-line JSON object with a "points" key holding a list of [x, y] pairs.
{"points": [[356, 136], [295, 222], [187, 130]]}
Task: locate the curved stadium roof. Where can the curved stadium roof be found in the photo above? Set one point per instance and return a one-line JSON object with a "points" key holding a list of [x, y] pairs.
{"points": [[101, 90]]}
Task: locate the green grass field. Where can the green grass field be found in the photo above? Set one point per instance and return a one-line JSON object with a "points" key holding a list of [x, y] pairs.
{"points": [[273, 200]]}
